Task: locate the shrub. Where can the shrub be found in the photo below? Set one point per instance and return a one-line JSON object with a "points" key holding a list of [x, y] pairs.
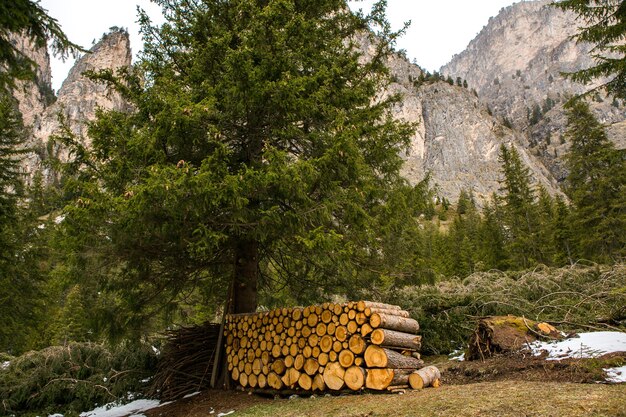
{"points": [[74, 378], [573, 298]]}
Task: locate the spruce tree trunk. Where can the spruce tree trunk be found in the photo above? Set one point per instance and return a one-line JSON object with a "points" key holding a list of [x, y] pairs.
{"points": [[246, 276]]}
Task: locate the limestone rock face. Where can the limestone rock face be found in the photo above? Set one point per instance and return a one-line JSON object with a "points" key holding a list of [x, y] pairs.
{"points": [[515, 65], [33, 96], [79, 98]]}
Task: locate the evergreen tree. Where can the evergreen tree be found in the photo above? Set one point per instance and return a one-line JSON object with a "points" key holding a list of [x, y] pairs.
{"points": [[596, 184], [605, 28], [19, 282], [521, 215], [257, 158]]}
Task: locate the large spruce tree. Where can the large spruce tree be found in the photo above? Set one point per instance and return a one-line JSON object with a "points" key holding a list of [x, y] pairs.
{"points": [[596, 185], [258, 155]]}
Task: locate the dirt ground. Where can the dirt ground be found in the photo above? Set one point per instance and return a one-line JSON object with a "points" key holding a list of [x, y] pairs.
{"points": [[528, 375]]}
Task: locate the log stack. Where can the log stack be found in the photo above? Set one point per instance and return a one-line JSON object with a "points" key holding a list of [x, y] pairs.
{"points": [[349, 346]]}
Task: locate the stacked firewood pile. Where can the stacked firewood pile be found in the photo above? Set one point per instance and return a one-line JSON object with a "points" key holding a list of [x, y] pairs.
{"points": [[350, 346]]}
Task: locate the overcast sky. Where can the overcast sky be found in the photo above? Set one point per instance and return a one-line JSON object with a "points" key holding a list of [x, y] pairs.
{"points": [[439, 28]]}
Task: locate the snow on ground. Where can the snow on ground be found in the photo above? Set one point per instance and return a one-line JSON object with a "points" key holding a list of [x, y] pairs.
{"points": [[116, 410], [616, 374], [586, 345]]}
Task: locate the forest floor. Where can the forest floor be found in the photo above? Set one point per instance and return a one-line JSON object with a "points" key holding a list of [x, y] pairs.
{"points": [[511, 385]]}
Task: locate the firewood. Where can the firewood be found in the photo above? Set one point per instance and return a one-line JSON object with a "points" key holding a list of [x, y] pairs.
{"points": [[392, 338], [262, 381], [320, 329], [326, 343], [425, 377], [341, 333], [278, 367], [377, 357], [390, 322], [381, 379], [362, 305], [354, 378], [290, 379], [318, 383], [334, 376], [305, 382], [346, 358], [274, 381], [356, 344], [311, 366]]}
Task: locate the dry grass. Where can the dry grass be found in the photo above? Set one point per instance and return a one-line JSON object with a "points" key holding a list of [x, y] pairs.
{"points": [[504, 398]]}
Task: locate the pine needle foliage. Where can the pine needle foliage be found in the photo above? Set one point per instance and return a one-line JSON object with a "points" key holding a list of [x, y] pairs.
{"points": [[578, 297], [74, 378], [603, 24], [259, 156]]}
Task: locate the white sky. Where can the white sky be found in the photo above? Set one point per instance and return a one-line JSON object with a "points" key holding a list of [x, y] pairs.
{"points": [[439, 28]]}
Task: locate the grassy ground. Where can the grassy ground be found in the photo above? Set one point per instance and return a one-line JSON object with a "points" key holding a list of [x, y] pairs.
{"points": [[504, 398]]}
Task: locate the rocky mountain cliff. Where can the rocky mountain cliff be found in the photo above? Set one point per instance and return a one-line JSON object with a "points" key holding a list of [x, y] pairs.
{"points": [[77, 99], [515, 64], [458, 133]]}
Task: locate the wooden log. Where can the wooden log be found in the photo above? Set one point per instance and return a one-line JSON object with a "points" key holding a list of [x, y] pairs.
{"points": [[357, 344], [320, 329], [341, 333], [278, 367], [326, 343], [362, 305], [322, 359], [378, 357], [257, 365], [327, 316], [235, 374], [401, 324], [314, 339], [312, 320], [392, 338], [337, 310], [275, 381], [402, 313], [290, 379], [352, 327], [346, 358], [298, 362], [330, 328], [333, 376], [262, 381], [425, 377], [252, 380], [305, 382], [354, 378], [293, 350], [307, 351], [366, 329], [337, 346], [243, 379], [289, 361], [381, 379], [311, 366], [318, 383]]}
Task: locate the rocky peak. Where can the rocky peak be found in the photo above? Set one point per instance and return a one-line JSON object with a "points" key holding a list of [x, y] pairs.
{"points": [[515, 64], [79, 97]]}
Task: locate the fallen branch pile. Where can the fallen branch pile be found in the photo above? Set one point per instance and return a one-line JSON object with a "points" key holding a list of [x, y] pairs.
{"points": [[351, 346], [186, 362]]}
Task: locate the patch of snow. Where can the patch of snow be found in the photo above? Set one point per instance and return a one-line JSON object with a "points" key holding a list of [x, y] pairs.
{"points": [[457, 355], [117, 410], [5, 365], [193, 394], [586, 345], [225, 414], [616, 375], [55, 415], [156, 351], [59, 219]]}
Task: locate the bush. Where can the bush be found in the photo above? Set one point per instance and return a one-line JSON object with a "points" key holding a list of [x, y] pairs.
{"points": [[573, 298], [74, 378]]}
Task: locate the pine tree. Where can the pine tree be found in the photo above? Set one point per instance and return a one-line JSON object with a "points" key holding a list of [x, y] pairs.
{"points": [[257, 158], [596, 184], [605, 28], [521, 215]]}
